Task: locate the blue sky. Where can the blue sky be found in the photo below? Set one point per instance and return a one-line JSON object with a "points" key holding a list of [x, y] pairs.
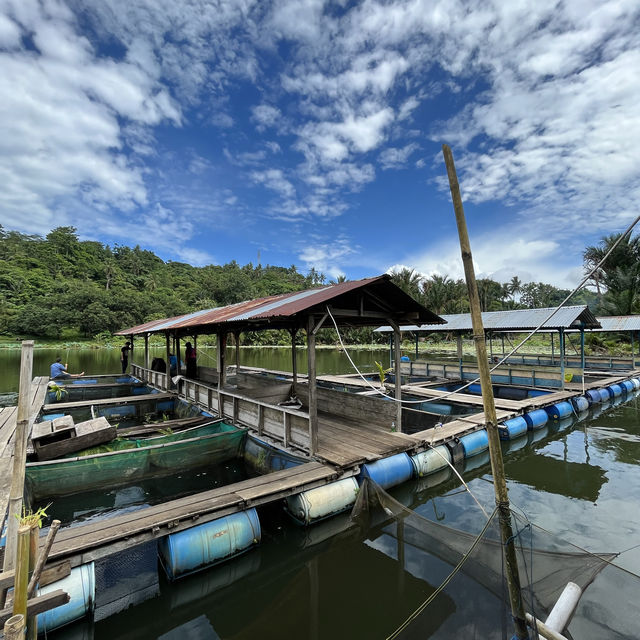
{"points": [[310, 132]]}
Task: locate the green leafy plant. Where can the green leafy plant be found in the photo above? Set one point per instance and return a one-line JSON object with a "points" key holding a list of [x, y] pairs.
{"points": [[166, 432], [382, 372], [31, 518], [60, 392]]}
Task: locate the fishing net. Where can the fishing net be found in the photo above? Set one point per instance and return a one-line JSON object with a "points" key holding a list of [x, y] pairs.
{"points": [[477, 592]]}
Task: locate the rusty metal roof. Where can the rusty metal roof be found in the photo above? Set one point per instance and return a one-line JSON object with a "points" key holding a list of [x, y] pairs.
{"points": [[619, 323], [356, 303], [514, 320]]}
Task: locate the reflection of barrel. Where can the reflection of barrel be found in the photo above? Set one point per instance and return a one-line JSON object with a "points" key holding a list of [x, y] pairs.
{"points": [[305, 537], [509, 446], [433, 479], [538, 434], [536, 419], [475, 443], [199, 547], [321, 502], [513, 428], [559, 410], [80, 584], [565, 423], [593, 395], [431, 460], [193, 588], [580, 403], [390, 471], [476, 461]]}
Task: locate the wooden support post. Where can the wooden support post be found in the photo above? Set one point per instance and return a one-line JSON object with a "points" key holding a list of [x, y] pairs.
{"points": [[398, 385], [221, 362], [32, 621], [146, 351], [490, 334], [459, 350], [294, 362], [177, 355], [14, 628], [495, 451], [582, 362], [562, 358], [416, 345], [16, 493], [313, 390], [260, 419], [553, 356], [22, 572], [42, 558], [168, 371], [633, 357], [131, 339]]}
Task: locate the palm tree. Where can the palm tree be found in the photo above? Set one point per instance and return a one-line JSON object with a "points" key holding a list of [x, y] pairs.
{"points": [[408, 280], [514, 287]]}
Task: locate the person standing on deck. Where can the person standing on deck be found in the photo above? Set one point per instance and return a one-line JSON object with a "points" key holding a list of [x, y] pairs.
{"points": [[59, 371], [124, 356], [190, 359]]}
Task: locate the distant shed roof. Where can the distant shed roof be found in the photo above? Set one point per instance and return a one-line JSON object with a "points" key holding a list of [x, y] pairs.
{"points": [[356, 303], [515, 320], [619, 323]]}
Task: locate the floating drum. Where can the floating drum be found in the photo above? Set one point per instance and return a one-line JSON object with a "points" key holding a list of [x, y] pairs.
{"points": [[475, 443], [209, 543], [635, 382], [580, 403], [593, 396], [627, 385], [431, 460], [457, 451], [80, 584], [605, 396], [559, 410], [536, 419], [390, 471], [513, 428], [615, 390], [322, 502]]}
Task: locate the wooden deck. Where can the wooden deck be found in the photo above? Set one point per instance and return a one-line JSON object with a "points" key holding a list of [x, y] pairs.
{"points": [[94, 540], [8, 423]]}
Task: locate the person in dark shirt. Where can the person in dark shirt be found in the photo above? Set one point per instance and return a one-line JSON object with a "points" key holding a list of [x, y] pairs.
{"points": [[190, 359], [124, 356]]}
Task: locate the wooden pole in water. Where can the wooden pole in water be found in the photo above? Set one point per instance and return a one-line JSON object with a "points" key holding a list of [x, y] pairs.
{"points": [[497, 467], [21, 579], [32, 621], [19, 455], [14, 628]]}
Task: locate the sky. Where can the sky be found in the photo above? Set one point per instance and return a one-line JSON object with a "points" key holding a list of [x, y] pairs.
{"points": [[310, 133]]}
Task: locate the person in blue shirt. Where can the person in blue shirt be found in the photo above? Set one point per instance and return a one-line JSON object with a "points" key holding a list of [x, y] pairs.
{"points": [[59, 371]]}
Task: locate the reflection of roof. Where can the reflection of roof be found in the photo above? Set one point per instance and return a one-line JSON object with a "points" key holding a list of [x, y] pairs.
{"points": [[357, 303], [515, 320]]}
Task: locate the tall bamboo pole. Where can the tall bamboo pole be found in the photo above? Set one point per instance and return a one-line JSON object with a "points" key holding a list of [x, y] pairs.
{"points": [[32, 621], [497, 467], [19, 455]]}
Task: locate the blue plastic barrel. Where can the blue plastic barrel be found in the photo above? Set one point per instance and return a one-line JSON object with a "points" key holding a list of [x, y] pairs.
{"points": [[627, 385], [80, 584], [475, 443], [636, 383], [193, 549], [580, 403], [536, 419], [513, 428], [615, 390], [319, 503], [605, 396], [559, 410], [474, 388], [390, 471], [52, 416], [431, 460], [593, 395]]}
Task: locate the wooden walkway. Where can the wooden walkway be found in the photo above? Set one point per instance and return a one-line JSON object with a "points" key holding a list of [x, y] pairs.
{"points": [[94, 540], [8, 423]]}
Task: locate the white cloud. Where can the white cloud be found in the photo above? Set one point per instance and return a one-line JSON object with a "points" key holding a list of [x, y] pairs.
{"points": [[394, 158], [275, 180], [326, 257], [265, 116]]}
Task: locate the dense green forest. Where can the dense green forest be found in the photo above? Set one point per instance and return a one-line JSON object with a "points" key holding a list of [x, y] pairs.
{"points": [[59, 286]]}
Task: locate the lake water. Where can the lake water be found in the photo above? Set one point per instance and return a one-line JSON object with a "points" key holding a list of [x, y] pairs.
{"points": [[580, 481]]}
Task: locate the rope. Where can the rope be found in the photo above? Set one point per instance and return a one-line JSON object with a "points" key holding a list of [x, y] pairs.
{"points": [[446, 581]]}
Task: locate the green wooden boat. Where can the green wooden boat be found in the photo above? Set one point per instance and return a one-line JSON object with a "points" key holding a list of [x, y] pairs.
{"points": [[131, 460]]}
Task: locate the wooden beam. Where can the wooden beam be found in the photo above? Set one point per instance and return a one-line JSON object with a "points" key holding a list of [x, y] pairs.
{"points": [[146, 351], [168, 354], [398, 385], [294, 361], [221, 359], [40, 604]]}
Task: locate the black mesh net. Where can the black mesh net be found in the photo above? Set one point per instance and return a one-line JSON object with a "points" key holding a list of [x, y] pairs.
{"points": [[477, 593]]}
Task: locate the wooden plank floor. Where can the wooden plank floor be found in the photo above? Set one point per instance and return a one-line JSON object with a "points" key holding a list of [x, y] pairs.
{"points": [[8, 423], [93, 540]]}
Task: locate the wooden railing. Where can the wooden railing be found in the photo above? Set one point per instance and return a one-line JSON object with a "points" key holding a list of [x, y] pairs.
{"points": [[156, 379], [289, 426]]}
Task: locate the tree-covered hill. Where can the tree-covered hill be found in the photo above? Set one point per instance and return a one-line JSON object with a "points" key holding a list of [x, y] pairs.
{"points": [[58, 282]]}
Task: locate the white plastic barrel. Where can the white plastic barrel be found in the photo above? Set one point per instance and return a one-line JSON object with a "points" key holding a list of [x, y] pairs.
{"points": [[321, 502]]}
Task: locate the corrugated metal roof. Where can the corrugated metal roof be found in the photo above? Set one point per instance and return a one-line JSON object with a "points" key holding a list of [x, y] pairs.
{"points": [[287, 305], [619, 323], [514, 320]]}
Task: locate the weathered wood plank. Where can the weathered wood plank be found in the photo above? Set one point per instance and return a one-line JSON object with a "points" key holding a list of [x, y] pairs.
{"points": [[39, 604], [63, 406]]}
